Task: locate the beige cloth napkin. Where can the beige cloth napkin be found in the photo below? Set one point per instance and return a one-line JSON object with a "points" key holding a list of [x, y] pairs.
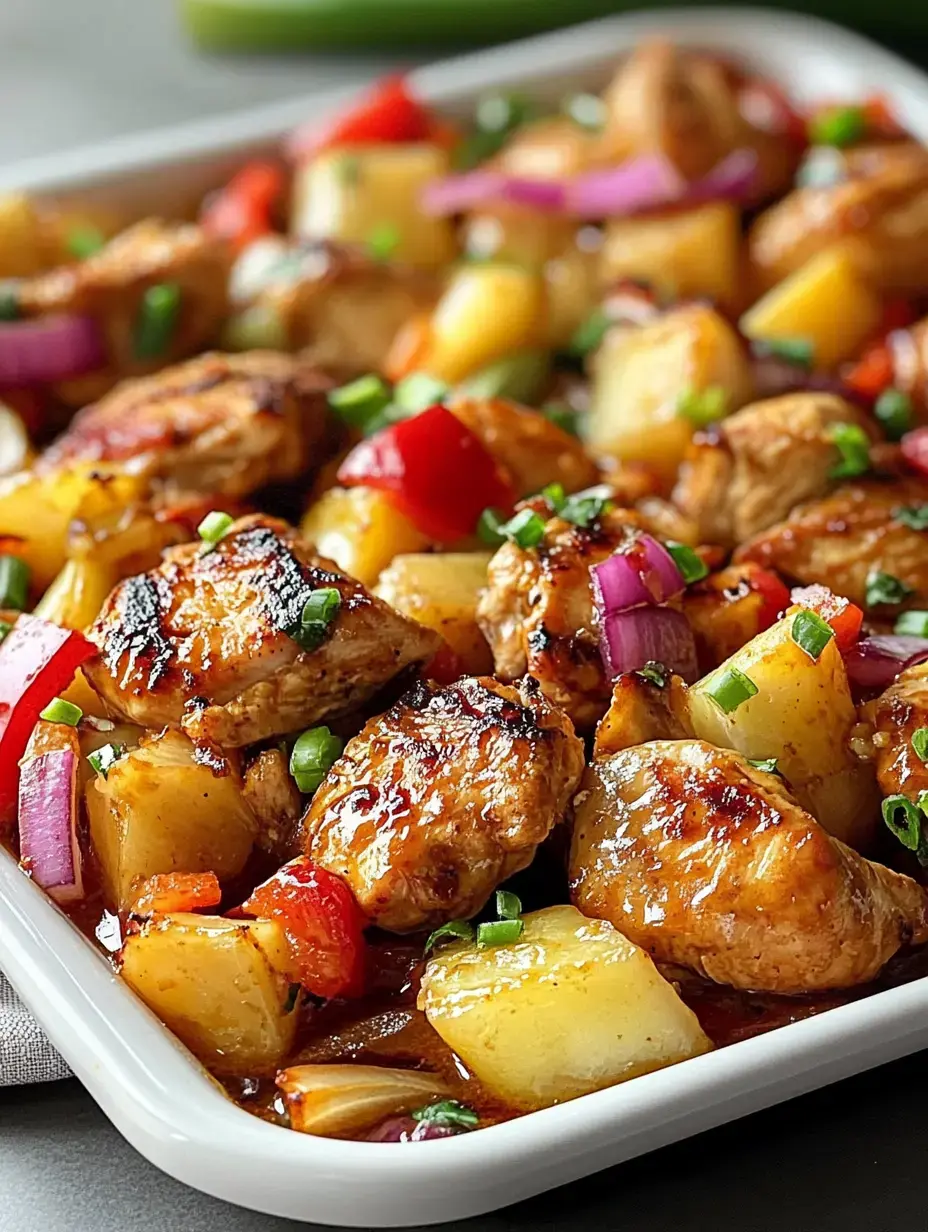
{"points": [[25, 1053]]}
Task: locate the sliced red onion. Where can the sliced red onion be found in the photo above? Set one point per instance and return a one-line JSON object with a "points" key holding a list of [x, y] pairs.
{"points": [[642, 575], [406, 1129], [875, 662], [914, 448], [732, 179], [456, 194], [48, 844], [53, 348], [639, 184], [629, 640]]}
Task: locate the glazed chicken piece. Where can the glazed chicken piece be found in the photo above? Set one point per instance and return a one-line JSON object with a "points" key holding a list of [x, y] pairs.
{"points": [[747, 472], [881, 218], [110, 286], [842, 538], [708, 863], [202, 641], [442, 798], [909, 351], [533, 451], [892, 719], [223, 424], [273, 797], [728, 608]]}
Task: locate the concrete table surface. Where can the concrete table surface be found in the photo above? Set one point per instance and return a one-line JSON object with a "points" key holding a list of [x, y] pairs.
{"points": [[846, 1159]]}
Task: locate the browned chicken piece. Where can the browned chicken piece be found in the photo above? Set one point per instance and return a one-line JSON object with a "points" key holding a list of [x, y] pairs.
{"points": [[442, 798], [748, 471], [641, 710], [110, 287], [688, 106], [891, 720], [345, 308], [537, 611], [223, 424], [881, 219], [274, 799], [842, 538], [708, 863], [909, 351], [202, 641], [727, 609], [533, 451]]}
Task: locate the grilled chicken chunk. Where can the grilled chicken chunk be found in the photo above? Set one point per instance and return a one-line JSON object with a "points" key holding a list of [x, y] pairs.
{"points": [[442, 798], [909, 350], [747, 472], [893, 719], [709, 863], [224, 424], [110, 287], [273, 797], [841, 539], [202, 640]]}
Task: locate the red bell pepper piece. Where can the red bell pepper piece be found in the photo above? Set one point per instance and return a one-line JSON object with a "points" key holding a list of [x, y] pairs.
{"points": [[38, 660], [873, 373], [844, 616], [914, 447], [772, 591], [242, 211], [444, 667], [386, 113], [323, 923], [436, 471], [178, 892]]}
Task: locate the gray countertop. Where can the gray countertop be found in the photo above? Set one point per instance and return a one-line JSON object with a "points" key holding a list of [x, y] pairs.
{"points": [[847, 1159]]}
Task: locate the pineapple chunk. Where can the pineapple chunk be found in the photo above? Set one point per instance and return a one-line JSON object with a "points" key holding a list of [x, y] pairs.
{"points": [[361, 530]]}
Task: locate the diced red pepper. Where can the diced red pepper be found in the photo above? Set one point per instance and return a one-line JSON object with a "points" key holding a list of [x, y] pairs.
{"points": [[435, 470], [242, 211], [387, 113], [38, 660], [872, 374], [881, 118], [445, 666], [323, 923], [914, 447], [774, 593], [178, 892], [844, 616]]}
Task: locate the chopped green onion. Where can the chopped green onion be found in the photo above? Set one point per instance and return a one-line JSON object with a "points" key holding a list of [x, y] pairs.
{"points": [[562, 416], [83, 242], [884, 588], [904, 820], [498, 932], [731, 689], [9, 299], [893, 410], [853, 445], [703, 406], [920, 743], [292, 993], [655, 673], [14, 583], [447, 1112], [214, 526], [555, 495], [527, 528], [5, 629], [60, 711], [454, 930], [490, 528], [313, 756], [811, 633], [521, 377], [501, 113], [586, 507], [157, 320], [104, 758], [839, 126], [689, 562], [508, 905], [768, 764], [800, 351], [319, 611], [587, 110], [383, 241], [360, 400], [589, 334], [259, 327], [418, 391], [914, 623], [913, 516]]}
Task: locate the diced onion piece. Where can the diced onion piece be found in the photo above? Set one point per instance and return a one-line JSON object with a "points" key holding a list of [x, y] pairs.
{"points": [[53, 348], [644, 574], [48, 823], [334, 1100], [875, 662], [406, 1129], [629, 640]]}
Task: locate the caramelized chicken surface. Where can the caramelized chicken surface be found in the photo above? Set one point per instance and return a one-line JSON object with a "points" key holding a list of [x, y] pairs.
{"points": [[110, 285], [442, 798], [747, 472], [273, 797], [224, 424], [707, 862], [841, 539], [893, 719], [202, 641]]}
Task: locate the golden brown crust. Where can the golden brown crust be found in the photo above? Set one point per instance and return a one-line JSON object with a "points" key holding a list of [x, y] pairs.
{"points": [[892, 719]]}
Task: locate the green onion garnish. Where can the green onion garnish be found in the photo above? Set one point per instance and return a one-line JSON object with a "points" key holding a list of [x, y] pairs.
{"points": [[359, 401], [501, 113], [731, 689], [508, 905], [587, 110], [904, 820], [498, 932], [799, 351], [920, 743], [527, 528], [914, 623], [83, 242], [9, 299], [655, 673], [418, 391], [14, 583], [319, 611], [913, 516], [811, 633], [5, 629], [454, 930], [104, 758], [689, 562], [589, 334], [562, 416], [586, 507], [383, 241], [703, 406], [214, 526], [555, 495], [768, 764], [313, 756], [60, 711], [447, 1112], [853, 445], [839, 126], [893, 410], [157, 320], [490, 528], [884, 588]]}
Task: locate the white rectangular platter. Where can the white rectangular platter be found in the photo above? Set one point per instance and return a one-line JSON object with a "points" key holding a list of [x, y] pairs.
{"points": [[146, 1082]]}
